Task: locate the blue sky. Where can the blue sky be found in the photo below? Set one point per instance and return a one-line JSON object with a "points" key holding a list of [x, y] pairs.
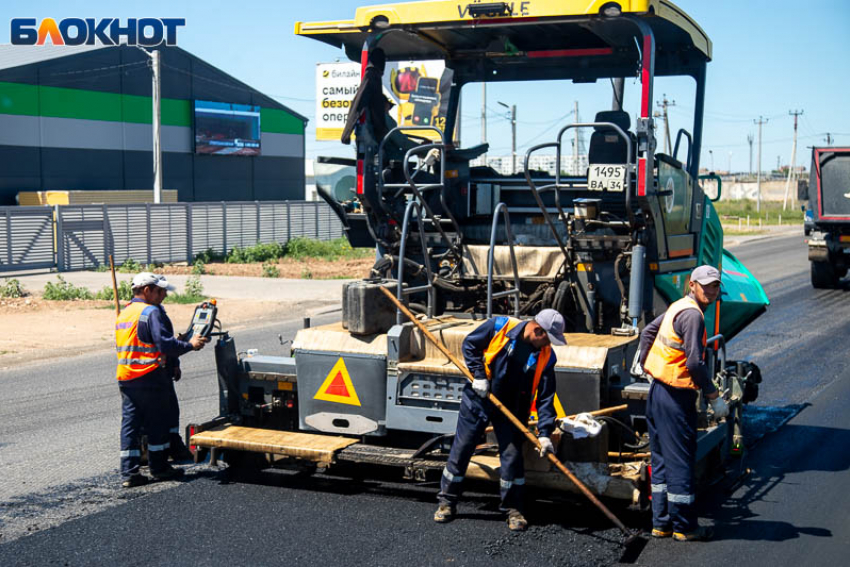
{"points": [[769, 57]]}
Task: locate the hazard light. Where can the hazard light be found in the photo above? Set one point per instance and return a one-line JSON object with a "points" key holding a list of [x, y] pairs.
{"points": [[359, 176]]}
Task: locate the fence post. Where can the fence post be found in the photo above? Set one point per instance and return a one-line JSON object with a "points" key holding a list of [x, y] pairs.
{"points": [[257, 204], [9, 236], [189, 252], [60, 241], [105, 234], [224, 228], [148, 225], [316, 209], [288, 223]]}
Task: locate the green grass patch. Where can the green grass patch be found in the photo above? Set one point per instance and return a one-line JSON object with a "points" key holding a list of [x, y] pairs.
{"points": [[297, 248], [62, 290], [730, 211], [336, 249]]}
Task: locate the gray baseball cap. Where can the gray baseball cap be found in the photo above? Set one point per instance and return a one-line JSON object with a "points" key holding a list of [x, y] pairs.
{"points": [[149, 278], [553, 323], [705, 275]]}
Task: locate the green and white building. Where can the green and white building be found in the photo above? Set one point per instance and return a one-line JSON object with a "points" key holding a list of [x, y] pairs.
{"points": [[79, 118]]}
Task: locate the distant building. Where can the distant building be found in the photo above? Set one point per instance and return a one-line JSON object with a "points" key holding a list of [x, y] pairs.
{"points": [[79, 118], [541, 162]]}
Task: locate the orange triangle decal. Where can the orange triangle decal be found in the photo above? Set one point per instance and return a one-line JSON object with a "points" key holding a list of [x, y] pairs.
{"points": [[337, 386]]}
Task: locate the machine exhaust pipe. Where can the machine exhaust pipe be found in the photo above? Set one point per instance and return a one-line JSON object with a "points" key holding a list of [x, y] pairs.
{"points": [[636, 282]]}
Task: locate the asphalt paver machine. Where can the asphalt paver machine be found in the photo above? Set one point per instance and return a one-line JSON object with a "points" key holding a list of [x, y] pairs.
{"points": [[610, 247]]}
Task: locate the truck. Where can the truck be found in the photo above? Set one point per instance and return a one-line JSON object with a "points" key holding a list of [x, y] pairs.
{"points": [[610, 246], [828, 194]]}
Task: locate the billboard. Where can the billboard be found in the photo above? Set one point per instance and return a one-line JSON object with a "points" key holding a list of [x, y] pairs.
{"points": [[336, 85], [419, 89], [223, 128]]}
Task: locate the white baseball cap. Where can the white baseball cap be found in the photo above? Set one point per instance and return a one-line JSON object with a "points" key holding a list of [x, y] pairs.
{"points": [[148, 278]]}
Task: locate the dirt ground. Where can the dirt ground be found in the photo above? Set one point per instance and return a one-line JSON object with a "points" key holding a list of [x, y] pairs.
{"points": [[32, 328], [308, 268]]}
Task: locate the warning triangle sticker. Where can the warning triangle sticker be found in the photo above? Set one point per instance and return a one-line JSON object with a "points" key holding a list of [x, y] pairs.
{"points": [[337, 386]]}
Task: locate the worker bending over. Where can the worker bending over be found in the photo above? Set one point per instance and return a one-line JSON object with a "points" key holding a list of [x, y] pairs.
{"points": [[514, 360], [147, 360], [674, 347]]}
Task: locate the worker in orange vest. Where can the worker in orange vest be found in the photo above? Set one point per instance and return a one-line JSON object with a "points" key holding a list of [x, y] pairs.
{"points": [[144, 347], [674, 347], [514, 360]]}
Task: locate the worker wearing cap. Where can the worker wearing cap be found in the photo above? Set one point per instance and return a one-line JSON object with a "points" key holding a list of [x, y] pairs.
{"points": [[147, 360], [514, 360], [674, 356]]}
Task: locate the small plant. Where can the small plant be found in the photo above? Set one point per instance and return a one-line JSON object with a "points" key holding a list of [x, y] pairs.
{"points": [[270, 270], [125, 292], [152, 267], [193, 292], [65, 291], [102, 268], [199, 268], [12, 288], [307, 274], [130, 266], [209, 255], [194, 287]]}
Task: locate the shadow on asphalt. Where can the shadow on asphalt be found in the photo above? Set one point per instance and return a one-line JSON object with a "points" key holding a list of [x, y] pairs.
{"points": [[778, 457]]}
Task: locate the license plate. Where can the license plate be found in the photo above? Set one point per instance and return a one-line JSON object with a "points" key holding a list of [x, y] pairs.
{"points": [[606, 178]]}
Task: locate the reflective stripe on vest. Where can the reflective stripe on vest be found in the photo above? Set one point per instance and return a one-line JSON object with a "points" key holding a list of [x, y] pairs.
{"points": [[135, 357], [498, 342], [667, 360]]}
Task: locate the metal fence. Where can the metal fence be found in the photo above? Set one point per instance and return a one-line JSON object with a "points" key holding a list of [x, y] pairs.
{"points": [[26, 238], [85, 235]]}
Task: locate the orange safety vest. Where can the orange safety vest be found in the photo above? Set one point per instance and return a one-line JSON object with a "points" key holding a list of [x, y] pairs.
{"points": [[135, 357], [498, 342], [666, 360]]}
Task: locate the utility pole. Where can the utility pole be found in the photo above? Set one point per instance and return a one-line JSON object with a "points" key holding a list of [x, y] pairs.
{"points": [[664, 104], [484, 118], [750, 141], [760, 121], [157, 119], [512, 115], [575, 142], [828, 139], [513, 135]]}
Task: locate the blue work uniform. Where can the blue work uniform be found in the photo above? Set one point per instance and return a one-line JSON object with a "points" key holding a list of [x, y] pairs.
{"points": [[512, 377], [149, 403], [672, 422]]}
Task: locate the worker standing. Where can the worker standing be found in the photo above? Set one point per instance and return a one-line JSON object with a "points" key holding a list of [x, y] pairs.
{"points": [[146, 346], [514, 360], [674, 346]]}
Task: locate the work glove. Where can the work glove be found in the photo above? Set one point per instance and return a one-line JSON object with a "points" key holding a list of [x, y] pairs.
{"points": [[720, 407], [177, 375], [545, 446], [432, 156], [481, 386], [581, 426]]}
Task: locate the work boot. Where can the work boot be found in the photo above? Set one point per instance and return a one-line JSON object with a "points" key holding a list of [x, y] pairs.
{"points": [[135, 480], [517, 522], [700, 534], [662, 532], [143, 451], [445, 513], [168, 473], [178, 452]]}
